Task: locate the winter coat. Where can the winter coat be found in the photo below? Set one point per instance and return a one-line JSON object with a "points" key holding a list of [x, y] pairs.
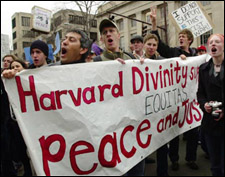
{"points": [[211, 89]]}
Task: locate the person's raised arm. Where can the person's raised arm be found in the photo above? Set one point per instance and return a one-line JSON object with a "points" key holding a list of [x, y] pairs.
{"points": [[153, 17]]}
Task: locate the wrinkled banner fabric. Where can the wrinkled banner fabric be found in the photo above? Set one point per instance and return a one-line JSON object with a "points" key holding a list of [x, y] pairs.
{"points": [[103, 118]]}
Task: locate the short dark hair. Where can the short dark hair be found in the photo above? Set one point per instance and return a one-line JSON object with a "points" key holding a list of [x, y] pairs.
{"points": [[84, 41]]}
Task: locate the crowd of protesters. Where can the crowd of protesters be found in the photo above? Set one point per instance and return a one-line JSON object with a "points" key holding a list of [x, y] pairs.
{"points": [[77, 48]]}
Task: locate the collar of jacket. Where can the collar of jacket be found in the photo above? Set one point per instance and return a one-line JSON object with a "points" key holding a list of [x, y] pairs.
{"points": [[210, 67], [112, 55]]}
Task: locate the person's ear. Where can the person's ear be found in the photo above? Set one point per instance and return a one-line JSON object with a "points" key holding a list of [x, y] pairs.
{"points": [[83, 50]]}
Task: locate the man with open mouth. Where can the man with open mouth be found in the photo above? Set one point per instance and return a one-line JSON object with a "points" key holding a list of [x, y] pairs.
{"points": [[185, 38], [110, 37]]}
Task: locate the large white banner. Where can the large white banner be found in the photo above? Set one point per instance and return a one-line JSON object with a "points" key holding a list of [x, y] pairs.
{"points": [[103, 118]]}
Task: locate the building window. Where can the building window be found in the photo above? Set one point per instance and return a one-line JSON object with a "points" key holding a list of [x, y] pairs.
{"points": [[14, 23], [30, 34], [74, 19], [162, 11], [26, 44], [205, 3], [148, 20], [14, 35], [122, 43], [205, 36], [93, 23], [25, 21], [120, 24], [57, 21], [133, 23], [15, 46]]}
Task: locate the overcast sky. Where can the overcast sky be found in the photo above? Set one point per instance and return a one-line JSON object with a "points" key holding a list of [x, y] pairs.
{"points": [[8, 8]]}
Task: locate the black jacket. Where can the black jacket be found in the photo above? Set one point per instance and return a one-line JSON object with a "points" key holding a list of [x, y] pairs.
{"points": [[211, 89], [170, 52], [5, 111]]}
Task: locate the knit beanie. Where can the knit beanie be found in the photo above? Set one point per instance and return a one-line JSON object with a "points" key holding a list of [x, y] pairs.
{"points": [[38, 44]]}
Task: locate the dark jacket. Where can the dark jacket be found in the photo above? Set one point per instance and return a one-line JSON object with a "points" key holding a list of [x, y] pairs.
{"points": [[170, 52], [5, 111], [211, 89]]}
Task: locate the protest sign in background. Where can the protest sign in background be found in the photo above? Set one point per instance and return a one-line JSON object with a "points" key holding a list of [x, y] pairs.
{"points": [[103, 118], [192, 17]]}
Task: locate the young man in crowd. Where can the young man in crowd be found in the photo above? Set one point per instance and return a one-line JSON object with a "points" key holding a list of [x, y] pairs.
{"points": [[201, 50], [151, 42], [7, 60], [137, 42], [74, 48], [186, 38], [39, 53], [110, 36]]}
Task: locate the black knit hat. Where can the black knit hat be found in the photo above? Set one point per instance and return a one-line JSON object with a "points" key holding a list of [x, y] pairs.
{"points": [[38, 44]]}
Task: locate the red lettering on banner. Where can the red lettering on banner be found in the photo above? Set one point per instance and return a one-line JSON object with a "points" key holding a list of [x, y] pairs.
{"points": [[58, 95], [134, 71], [139, 130], [102, 90], [184, 103], [23, 93], [123, 150], [45, 144], [92, 92], [51, 97], [163, 123], [119, 87], [177, 69], [47, 156], [115, 154], [77, 101], [87, 94], [199, 118], [74, 153]]}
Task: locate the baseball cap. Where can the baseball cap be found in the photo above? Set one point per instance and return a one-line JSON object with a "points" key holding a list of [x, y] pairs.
{"points": [[107, 23], [136, 37], [202, 47]]}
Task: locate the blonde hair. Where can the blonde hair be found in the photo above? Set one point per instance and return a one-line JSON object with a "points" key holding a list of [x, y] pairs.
{"points": [[151, 36]]}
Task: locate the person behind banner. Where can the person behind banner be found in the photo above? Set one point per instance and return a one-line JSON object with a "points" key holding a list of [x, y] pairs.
{"points": [[7, 59], [137, 43], [110, 36], [74, 48], [186, 38], [39, 53], [211, 98], [201, 50], [151, 42], [18, 147]]}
